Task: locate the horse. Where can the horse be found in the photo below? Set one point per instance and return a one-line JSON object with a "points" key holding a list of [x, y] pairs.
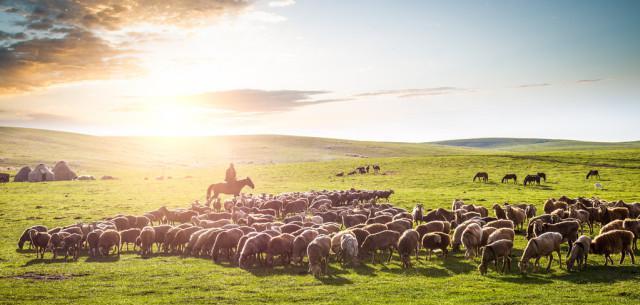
{"points": [[376, 168], [481, 176], [593, 173], [231, 188], [361, 170], [508, 177], [531, 179], [543, 176], [340, 174]]}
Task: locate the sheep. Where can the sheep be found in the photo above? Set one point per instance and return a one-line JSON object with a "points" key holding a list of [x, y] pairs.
{"points": [[26, 238], [546, 218], [382, 219], [182, 237], [281, 245], [517, 215], [205, 242], [579, 253], [360, 234], [610, 214], [147, 237], [71, 245], [254, 246], [433, 226], [443, 214], [501, 223], [349, 248], [408, 242], [142, 221], [499, 211], [612, 242], [300, 243], [471, 239], [294, 207], [552, 205], [227, 240], [436, 240], [92, 242], [352, 220], [457, 234], [568, 229], [486, 232], [499, 249], [582, 216], [386, 239], [108, 239], [318, 253], [614, 225], [399, 225], [290, 228], [122, 223], [502, 233], [55, 241], [537, 247], [39, 240], [375, 228], [417, 213], [531, 211], [129, 236], [336, 239], [633, 226]]}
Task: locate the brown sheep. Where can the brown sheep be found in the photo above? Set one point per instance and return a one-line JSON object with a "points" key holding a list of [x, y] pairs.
{"points": [[614, 225], [360, 234], [486, 232], [375, 228], [517, 215], [92, 242], [613, 242], [502, 233], [161, 234], [445, 215], [433, 226], [147, 237], [352, 220], [579, 253], [55, 242], [457, 234], [122, 223], [382, 219], [226, 240], [300, 244], [407, 244], [568, 229], [294, 207], [71, 246], [500, 223], [290, 228], [108, 239], [254, 246], [129, 236], [142, 221], [399, 225], [610, 214], [546, 218], [349, 248], [385, 240], [318, 253], [499, 211], [471, 239], [537, 247], [39, 240], [436, 240], [282, 246], [633, 226], [26, 238], [493, 252]]}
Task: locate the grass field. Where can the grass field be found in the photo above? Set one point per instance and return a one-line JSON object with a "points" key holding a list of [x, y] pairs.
{"points": [[434, 179]]}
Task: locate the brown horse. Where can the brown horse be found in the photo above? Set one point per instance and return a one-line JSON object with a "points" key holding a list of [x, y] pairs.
{"points": [[481, 176], [508, 177], [530, 179], [543, 176], [593, 173], [233, 188]]}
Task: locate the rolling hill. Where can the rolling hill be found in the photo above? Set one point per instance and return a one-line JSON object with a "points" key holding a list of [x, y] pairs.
{"points": [[535, 145]]}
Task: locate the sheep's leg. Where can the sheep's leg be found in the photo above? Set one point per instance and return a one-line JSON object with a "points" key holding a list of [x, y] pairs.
{"points": [[550, 261], [622, 253], [606, 259], [559, 258]]}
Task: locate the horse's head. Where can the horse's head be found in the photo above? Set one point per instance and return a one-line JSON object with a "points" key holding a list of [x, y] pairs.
{"points": [[250, 183]]}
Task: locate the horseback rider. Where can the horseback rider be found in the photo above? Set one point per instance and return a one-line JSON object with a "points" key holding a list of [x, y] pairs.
{"points": [[230, 175]]}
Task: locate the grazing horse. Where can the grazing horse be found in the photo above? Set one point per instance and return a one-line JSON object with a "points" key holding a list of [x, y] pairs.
{"points": [[361, 170], [340, 174], [529, 179], [593, 173], [376, 168], [508, 177], [351, 173], [543, 176], [481, 176], [231, 188]]}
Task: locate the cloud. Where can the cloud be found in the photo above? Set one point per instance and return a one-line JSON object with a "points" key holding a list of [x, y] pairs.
{"points": [[408, 93], [68, 40], [260, 101], [589, 80], [534, 85], [282, 3]]}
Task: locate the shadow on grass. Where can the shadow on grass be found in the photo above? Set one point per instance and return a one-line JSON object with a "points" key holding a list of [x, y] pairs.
{"points": [[102, 259]]}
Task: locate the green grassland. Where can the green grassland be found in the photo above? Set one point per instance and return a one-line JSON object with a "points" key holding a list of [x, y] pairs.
{"points": [[433, 177]]}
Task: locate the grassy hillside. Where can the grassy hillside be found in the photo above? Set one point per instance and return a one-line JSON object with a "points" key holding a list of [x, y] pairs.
{"points": [[536, 145], [434, 181], [20, 146]]}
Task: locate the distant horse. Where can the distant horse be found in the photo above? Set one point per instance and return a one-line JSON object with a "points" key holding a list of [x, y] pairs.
{"points": [[361, 170], [4, 177], [376, 168], [351, 173], [340, 174], [233, 188], [508, 177], [543, 176], [481, 176], [529, 179], [593, 173], [367, 168]]}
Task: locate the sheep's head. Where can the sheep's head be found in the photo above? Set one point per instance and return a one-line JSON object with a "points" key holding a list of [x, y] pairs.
{"points": [[315, 269], [523, 265], [482, 268]]}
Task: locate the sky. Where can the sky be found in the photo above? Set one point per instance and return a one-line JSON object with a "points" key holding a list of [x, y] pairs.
{"points": [[411, 71]]}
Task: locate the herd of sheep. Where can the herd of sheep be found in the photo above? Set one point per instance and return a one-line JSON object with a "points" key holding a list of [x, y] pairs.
{"points": [[353, 226]]}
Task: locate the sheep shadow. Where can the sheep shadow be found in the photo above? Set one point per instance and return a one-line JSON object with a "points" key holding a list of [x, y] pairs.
{"points": [[25, 251], [601, 274], [39, 261], [102, 259]]}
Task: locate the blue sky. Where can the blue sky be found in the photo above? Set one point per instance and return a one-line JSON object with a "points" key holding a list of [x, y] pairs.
{"points": [[375, 70]]}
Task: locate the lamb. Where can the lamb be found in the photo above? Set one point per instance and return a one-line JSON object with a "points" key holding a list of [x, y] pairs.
{"points": [[408, 242], [436, 240], [254, 246], [39, 240], [129, 236], [318, 253], [633, 226], [281, 245], [537, 247], [92, 242], [517, 215], [568, 229], [147, 238], [352, 220], [26, 238], [613, 242], [579, 253], [500, 223], [502, 233], [226, 240], [349, 248], [417, 213], [493, 252], [108, 239], [384, 240], [471, 239], [300, 244], [71, 245], [614, 225]]}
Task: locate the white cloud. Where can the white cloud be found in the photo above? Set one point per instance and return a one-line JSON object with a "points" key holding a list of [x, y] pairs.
{"points": [[282, 3]]}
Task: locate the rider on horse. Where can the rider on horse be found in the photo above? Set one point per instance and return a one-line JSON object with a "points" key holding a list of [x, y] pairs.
{"points": [[230, 175]]}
